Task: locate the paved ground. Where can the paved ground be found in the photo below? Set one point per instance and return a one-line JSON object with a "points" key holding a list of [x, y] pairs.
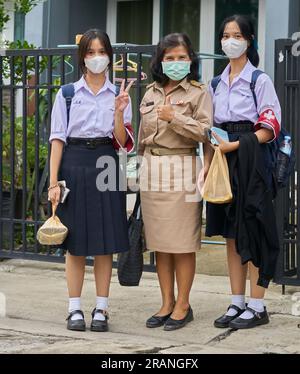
{"points": [[36, 311]]}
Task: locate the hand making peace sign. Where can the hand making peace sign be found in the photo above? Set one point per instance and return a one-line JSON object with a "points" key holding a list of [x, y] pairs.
{"points": [[122, 100]]}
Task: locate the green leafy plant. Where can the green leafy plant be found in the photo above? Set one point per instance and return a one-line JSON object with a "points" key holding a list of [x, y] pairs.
{"points": [[43, 114], [4, 16], [30, 62], [19, 6], [22, 7], [43, 100], [25, 6], [18, 159]]}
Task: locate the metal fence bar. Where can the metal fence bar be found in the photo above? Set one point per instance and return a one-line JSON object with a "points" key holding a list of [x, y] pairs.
{"points": [[62, 70], [297, 179], [12, 153], [38, 52], [37, 152], [45, 82], [45, 66], [287, 81], [1, 154], [24, 153]]}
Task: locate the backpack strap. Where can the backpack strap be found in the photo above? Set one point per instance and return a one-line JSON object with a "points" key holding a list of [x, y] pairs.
{"points": [[215, 82], [117, 91], [68, 92], [254, 78]]}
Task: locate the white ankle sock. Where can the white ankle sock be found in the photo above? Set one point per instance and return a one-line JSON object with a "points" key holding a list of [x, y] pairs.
{"points": [[237, 300], [74, 304], [256, 304], [101, 303]]}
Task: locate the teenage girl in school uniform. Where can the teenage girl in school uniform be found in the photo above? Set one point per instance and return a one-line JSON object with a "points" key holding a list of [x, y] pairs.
{"points": [[236, 112], [96, 217]]}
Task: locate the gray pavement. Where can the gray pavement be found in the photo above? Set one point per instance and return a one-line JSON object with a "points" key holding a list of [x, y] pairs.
{"points": [[36, 309]]}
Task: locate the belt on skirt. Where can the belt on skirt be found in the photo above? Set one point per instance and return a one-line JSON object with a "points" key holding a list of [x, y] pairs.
{"points": [[91, 143], [236, 127], [160, 151]]}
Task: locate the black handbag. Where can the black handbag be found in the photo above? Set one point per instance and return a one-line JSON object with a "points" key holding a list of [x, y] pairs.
{"points": [[130, 264]]}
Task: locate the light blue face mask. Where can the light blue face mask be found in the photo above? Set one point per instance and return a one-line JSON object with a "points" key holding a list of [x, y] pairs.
{"points": [[176, 70]]}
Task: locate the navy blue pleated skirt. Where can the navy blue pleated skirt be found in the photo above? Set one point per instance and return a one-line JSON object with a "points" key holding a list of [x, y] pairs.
{"points": [[96, 220]]}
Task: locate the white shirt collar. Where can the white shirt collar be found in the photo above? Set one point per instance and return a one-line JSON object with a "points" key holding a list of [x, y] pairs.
{"points": [[83, 84], [245, 74]]}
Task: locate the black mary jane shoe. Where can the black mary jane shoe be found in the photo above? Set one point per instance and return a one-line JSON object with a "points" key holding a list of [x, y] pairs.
{"points": [[258, 319], [224, 321], [157, 321], [173, 324], [77, 325], [99, 326]]}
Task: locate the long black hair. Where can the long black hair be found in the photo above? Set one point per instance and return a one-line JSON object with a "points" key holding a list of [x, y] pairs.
{"points": [[247, 30], [172, 41]]}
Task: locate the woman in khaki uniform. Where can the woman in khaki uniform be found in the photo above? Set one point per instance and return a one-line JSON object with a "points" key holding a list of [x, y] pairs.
{"points": [[176, 112]]}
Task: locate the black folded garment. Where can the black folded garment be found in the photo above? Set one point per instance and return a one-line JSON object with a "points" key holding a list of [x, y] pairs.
{"points": [[253, 211]]}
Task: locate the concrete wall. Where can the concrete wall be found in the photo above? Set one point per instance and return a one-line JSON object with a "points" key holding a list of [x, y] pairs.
{"points": [[56, 23], [34, 26], [8, 32], [294, 25], [85, 15], [277, 27], [64, 19]]}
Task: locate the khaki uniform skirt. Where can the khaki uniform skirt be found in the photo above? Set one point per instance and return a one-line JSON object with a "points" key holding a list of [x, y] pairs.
{"points": [[171, 203]]}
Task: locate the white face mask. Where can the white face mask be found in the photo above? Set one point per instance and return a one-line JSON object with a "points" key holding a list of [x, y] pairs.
{"points": [[97, 64], [234, 48]]}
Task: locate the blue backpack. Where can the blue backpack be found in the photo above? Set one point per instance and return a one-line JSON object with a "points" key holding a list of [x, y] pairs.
{"points": [[274, 147], [68, 92]]}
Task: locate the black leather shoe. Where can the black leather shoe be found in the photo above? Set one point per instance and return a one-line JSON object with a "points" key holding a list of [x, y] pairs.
{"points": [[173, 324], [223, 321], [157, 321], [79, 324], [257, 320], [99, 326]]}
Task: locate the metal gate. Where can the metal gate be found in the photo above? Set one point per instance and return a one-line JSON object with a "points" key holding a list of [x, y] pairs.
{"points": [[287, 81], [29, 80]]}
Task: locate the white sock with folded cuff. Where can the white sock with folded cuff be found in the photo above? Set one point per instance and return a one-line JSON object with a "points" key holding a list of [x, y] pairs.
{"points": [[74, 304], [256, 304], [239, 301], [101, 303]]}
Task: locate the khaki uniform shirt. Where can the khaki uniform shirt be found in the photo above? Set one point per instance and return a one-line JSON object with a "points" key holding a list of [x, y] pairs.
{"points": [[193, 116]]}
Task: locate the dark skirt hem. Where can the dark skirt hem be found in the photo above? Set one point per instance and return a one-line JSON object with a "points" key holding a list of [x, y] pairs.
{"points": [[103, 253], [225, 236]]}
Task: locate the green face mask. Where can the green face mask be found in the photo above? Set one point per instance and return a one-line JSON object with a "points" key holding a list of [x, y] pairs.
{"points": [[176, 70]]}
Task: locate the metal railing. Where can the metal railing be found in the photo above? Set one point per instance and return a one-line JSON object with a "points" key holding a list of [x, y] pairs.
{"points": [[29, 80], [287, 80]]}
